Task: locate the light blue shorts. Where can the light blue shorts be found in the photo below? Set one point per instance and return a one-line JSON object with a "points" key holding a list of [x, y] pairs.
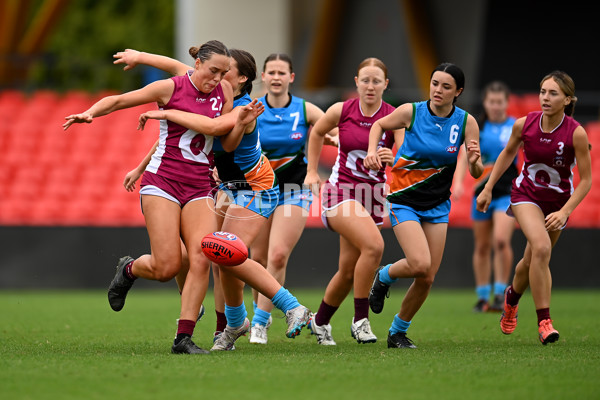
{"points": [[261, 202], [400, 213], [301, 198], [499, 204]]}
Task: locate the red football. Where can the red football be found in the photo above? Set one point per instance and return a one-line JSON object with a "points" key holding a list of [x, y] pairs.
{"points": [[224, 248]]}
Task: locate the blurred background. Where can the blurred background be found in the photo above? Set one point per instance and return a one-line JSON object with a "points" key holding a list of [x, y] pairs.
{"points": [[64, 216]]}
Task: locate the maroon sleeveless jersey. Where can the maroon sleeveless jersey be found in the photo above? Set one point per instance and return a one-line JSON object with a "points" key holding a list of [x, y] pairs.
{"points": [[354, 128], [549, 159], [182, 154]]}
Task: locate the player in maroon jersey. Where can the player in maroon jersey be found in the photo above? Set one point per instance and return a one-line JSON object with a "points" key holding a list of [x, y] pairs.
{"points": [[176, 190], [254, 193], [542, 196], [353, 199]]}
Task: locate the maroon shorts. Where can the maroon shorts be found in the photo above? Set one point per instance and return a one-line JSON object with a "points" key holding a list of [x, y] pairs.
{"points": [[372, 198], [547, 207], [178, 192]]}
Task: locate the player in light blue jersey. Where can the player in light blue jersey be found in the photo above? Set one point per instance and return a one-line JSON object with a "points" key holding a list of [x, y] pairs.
{"points": [[419, 199], [285, 125], [494, 228]]}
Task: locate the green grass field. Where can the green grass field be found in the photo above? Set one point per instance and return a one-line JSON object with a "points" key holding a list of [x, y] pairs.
{"points": [[70, 345]]}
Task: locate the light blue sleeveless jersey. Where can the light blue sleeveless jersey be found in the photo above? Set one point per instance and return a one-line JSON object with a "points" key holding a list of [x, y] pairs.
{"points": [[425, 163], [283, 138]]}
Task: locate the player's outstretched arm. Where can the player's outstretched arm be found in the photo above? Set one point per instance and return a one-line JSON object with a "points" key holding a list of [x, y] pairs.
{"points": [[131, 58]]}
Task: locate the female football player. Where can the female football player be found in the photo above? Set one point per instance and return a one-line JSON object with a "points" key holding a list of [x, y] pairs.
{"points": [[542, 195], [419, 199]]}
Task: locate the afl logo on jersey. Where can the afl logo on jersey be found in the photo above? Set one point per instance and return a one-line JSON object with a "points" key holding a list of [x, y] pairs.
{"points": [[451, 149], [296, 136]]}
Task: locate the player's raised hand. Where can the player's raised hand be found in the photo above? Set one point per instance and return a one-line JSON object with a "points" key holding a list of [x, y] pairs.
{"points": [[250, 112], [473, 151], [77, 119], [128, 57]]}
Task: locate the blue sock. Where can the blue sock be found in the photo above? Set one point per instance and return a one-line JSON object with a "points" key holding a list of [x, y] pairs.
{"points": [[235, 315], [284, 300], [483, 292], [384, 275], [499, 288], [254, 305], [399, 325], [261, 317]]}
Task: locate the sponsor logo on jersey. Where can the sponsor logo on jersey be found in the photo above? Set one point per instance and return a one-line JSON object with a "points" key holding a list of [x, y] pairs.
{"points": [[558, 161], [225, 235], [200, 100], [545, 140], [365, 124], [451, 149], [296, 136]]}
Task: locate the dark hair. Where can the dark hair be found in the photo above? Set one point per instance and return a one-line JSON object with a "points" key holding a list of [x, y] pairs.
{"points": [[375, 62], [278, 56], [492, 87], [567, 85], [246, 67], [455, 72], [205, 51]]}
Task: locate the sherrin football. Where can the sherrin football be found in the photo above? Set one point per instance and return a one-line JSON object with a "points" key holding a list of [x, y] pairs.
{"points": [[224, 248]]}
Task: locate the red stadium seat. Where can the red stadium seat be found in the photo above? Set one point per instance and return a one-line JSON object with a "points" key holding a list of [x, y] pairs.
{"points": [[530, 102], [593, 131], [586, 215], [12, 103], [43, 100], [16, 211], [514, 106]]}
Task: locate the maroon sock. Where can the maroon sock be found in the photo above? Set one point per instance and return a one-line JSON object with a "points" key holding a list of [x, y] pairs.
{"points": [[325, 313], [361, 309], [186, 327], [542, 314], [221, 321], [512, 297], [128, 272]]}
